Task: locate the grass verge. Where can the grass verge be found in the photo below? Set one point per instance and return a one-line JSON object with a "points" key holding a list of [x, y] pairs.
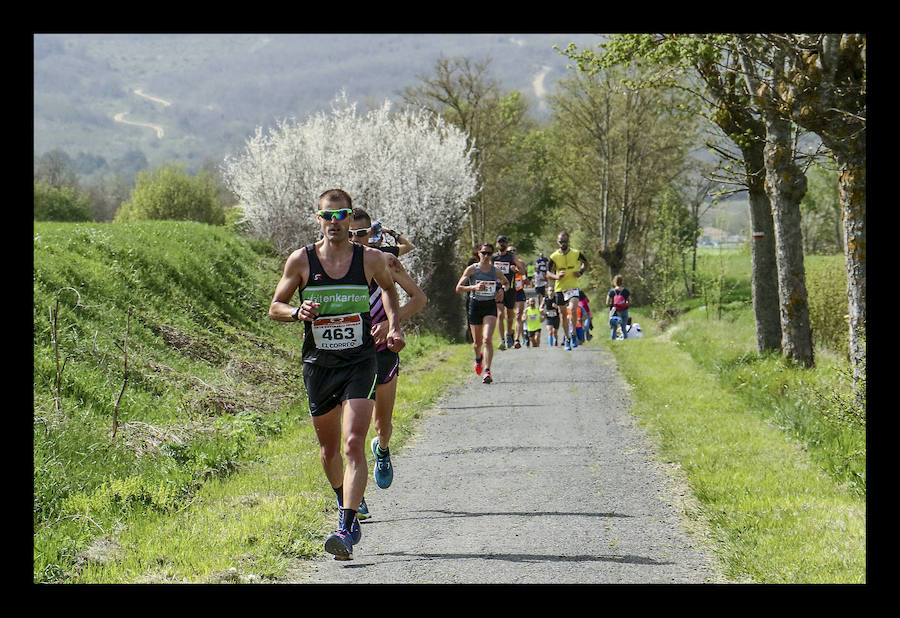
{"points": [[254, 524], [774, 513]]}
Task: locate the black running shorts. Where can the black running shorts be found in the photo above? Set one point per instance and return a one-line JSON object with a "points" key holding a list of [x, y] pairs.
{"points": [[509, 299], [388, 366], [327, 387], [480, 309]]}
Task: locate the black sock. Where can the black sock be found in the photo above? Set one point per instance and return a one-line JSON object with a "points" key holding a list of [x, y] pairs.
{"points": [[347, 522], [384, 452], [339, 492]]}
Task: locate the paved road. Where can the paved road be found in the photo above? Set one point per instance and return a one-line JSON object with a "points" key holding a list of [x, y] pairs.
{"points": [[540, 477]]}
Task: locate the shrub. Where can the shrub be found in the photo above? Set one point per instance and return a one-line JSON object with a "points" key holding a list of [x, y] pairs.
{"points": [[169, 193], [826, 284], [65, 204]]}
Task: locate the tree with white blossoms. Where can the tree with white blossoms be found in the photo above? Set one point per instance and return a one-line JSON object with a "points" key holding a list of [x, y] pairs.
{"points": [[409, 169]]}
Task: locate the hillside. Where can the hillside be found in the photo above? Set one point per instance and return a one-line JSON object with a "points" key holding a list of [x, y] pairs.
{"points": [[208, 373], [200, 96]]}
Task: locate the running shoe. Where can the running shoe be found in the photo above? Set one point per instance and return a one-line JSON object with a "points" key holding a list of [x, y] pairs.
{"points": [[354, 528], [517, 345], [363, 512], [384, 471], [478, 365], [340, 544], [568, 345], [574, 342], [509, 340], [502, 345], [487, 377]]}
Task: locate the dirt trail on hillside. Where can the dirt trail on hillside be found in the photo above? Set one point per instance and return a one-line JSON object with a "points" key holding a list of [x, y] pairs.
{"points": [[120, 117], [540, 477]]}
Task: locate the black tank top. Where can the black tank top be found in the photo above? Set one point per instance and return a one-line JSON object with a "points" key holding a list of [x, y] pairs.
{"points": [[342, 332], [503, 263]]}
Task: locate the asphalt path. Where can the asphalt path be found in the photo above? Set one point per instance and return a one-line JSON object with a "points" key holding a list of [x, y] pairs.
{"points": [[541, 477]]}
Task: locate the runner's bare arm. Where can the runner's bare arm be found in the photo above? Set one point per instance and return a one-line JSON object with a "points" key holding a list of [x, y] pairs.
{"points": [[504, 284], [376, 263], [417, 298], [461, 284], [584, 265], [296, 272]]}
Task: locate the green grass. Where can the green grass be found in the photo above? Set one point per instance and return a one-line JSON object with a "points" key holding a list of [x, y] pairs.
{"points": [[254, 524], [213, 417], [780, 486]]}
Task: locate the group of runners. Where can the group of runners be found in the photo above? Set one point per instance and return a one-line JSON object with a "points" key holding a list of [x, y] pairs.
{"points": [[352, 334], [496, 284]]}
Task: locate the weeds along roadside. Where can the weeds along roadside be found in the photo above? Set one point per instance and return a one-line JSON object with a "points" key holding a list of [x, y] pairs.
{"points": [[210, 377], [780, 486], [256, 524]]}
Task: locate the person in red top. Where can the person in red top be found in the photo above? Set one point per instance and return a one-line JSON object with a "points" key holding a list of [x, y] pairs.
{"points": [[618, 299]]}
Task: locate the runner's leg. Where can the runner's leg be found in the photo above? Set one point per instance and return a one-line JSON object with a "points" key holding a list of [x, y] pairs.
{"points": [[487, 335], [328, 432], [385, 396], [357, 417]]}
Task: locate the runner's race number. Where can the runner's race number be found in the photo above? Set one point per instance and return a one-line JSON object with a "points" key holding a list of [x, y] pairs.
{"points": [[338, 332]]}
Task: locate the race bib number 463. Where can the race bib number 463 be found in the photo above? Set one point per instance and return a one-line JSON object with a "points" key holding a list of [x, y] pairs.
{"points": [[338, 332]]}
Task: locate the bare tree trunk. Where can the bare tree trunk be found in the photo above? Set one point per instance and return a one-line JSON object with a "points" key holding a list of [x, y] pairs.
{"points": [[763, 265], [786, 186], [853, 202]]}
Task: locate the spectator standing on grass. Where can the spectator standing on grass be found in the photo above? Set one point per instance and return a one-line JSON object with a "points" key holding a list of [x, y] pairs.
{"points": [[618, 299]]}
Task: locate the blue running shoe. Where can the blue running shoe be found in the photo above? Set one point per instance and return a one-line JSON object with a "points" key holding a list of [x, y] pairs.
{"points": [[340, 544], [363, 512], [574, 342], [384, 471], [568, 345]]}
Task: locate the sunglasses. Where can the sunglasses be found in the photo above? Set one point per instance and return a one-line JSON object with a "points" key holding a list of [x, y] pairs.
{"points": [[562, 242], [484, 252], [334, 215], [360, 232]]}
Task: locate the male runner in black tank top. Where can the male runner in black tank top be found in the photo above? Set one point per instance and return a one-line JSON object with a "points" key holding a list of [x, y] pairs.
{"points": [[339, 365]]}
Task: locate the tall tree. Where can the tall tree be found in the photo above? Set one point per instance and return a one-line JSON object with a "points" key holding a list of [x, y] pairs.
{"points": [[410, 170], [617, 148], [826, 93], [465, 94], [764, 71], [731, 110]]}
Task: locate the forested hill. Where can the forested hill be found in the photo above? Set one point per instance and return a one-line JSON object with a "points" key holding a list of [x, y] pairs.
{"points": [[196, 96]]}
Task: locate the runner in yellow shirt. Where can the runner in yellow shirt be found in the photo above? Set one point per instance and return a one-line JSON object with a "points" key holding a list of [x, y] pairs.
{"points": [[565, 267], [533, 317]]}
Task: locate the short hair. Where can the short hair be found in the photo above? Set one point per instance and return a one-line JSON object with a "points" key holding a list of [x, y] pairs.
{"points": [[359, 215], [336, 195], [486, 244]]}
